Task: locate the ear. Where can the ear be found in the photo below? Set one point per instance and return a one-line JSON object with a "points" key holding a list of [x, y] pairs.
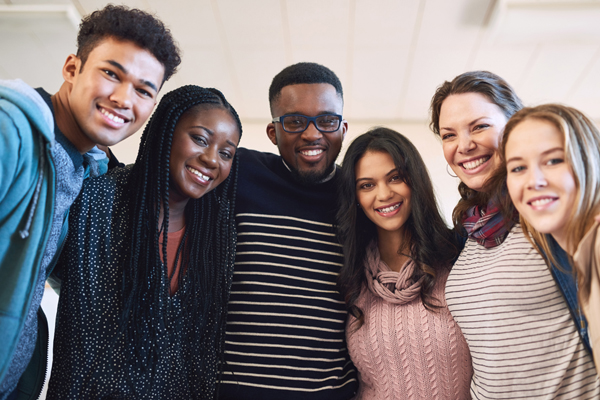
{"points": [[71, 68], [344, 129], [271, 133]]}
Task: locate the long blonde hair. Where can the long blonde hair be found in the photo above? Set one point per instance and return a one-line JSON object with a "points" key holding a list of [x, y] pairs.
{"points": [[582, 152]]}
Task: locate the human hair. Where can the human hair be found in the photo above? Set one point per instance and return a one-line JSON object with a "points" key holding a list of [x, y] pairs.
{"points": [[129, 24], [207, 248], [303, 72], [497, 91], [582, 153], [432, 244]]}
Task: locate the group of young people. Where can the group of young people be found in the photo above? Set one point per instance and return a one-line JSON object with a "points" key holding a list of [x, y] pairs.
{"points": [[206, 271]]}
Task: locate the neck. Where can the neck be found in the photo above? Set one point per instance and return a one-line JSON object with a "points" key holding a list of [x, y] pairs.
{"points": [[66, 122], [176, 214], [392, 248], [561, 239]]}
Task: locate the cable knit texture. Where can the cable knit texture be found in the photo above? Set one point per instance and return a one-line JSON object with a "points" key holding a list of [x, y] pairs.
{"points": [[404, 351]]}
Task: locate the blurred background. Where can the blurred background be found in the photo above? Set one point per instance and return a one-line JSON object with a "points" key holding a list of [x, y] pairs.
{"points": [[390, 55]]}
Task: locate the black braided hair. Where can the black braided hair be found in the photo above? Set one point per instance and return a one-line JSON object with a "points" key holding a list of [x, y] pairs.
{"points": [[208, 251]]}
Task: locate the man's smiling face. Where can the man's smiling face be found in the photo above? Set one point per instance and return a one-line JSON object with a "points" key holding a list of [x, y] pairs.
{"points": [[310, 154]]}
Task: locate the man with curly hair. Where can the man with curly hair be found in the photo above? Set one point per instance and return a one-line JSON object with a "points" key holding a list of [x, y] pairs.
{"points": [[48, 144]]}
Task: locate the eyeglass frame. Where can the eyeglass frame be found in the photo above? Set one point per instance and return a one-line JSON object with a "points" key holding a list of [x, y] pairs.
{"points": [[309, 120]]}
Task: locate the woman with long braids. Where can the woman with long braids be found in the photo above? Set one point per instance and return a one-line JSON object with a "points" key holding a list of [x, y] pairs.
{"points": [[397, 255], [519, 317], [147, 268]]}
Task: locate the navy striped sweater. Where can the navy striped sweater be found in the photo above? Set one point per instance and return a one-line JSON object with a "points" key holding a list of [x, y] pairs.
{"points": [[285, 329]]}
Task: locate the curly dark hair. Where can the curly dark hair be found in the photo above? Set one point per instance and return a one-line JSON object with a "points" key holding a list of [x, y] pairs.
{"points": [[137, 26], [303, 72], [499, 92], [207, 248], [433, 245]]}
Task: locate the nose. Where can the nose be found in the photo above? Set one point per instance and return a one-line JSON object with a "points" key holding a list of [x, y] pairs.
{"points": [[384, 193], [210, 157], [536, 178], [122, 96], [312, 134], [465, 142]]}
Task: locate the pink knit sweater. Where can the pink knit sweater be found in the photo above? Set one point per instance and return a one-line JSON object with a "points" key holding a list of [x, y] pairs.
{"points": [[404, 351]]}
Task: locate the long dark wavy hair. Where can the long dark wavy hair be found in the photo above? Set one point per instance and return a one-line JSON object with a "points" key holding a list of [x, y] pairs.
{"points": [[432, 244], [500, 93], [207, 250]]}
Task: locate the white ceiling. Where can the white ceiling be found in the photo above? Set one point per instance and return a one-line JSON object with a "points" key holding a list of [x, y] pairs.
{"points": [[389, 54]]}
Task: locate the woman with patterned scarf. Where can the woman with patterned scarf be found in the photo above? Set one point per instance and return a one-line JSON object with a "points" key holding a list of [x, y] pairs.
{"points": [[520, 318]]}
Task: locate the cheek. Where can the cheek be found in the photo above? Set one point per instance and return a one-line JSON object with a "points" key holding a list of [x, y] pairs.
{"points": [[449, 150]]}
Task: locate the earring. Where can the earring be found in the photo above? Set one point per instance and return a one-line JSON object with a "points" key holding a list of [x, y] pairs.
{"points": [[449, 173], [358, 205]]}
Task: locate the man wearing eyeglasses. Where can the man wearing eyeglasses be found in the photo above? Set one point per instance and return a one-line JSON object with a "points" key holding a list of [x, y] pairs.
{"points": [[285, 331]]}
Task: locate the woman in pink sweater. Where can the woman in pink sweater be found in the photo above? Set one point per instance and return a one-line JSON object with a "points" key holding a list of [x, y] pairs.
{"points": [[397, 255]]}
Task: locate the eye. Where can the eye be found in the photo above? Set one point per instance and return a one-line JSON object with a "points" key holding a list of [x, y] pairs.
{"points": [[517, 169], [144, 92], [554, 161], [447, 136], [226, 155], [480, 127], [366, 185], [396, 178], [200, 140], [110, 73]]}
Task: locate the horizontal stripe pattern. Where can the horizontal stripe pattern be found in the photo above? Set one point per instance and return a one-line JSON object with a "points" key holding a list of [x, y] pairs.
{"points": [[285, 331], [523, 341]]}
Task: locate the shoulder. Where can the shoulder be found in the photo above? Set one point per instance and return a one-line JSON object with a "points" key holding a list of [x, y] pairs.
{"points": [[22, 107], [250, 157]]}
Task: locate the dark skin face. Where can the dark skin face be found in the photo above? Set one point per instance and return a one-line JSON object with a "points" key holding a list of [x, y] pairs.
{"points": [[204, 144], [310, 154], [111, 97]]}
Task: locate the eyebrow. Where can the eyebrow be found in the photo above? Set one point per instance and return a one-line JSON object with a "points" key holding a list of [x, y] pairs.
{"points": [[542, 153], [470, 123], [388, 174], [124, 70], [318, 113], [211, 133]]}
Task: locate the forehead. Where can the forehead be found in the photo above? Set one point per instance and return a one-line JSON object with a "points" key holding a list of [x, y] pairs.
{"points": [[374, 161], [138, 62], [464, 107], [534, 135], [309, 99], [217, 119]]}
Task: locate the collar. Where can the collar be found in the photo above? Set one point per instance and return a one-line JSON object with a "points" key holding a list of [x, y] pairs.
{"points": [[326, 179]]}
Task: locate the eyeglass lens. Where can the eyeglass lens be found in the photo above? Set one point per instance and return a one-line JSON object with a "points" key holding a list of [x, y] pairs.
{"points": [[324, 123]]}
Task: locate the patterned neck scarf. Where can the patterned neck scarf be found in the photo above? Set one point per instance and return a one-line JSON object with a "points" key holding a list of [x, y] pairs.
{"points": [[394, 287], [486, 225]]}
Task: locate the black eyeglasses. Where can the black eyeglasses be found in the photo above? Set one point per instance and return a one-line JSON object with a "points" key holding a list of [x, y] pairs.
{"points": [[298, 123]]}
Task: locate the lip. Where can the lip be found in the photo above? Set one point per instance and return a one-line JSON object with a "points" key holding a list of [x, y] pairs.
{"points": [[542, 202], [312, 158], [479, 168], [391, 213], [198, 179], [104, 111]]}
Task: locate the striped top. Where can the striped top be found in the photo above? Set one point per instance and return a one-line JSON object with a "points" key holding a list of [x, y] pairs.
{"points": [[285, 329], [523, 342]]}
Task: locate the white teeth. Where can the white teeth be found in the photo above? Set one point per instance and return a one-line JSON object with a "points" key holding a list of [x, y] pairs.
{"points": [[312, 152], [541, 202], [475, 163], [111, 116], [198, 173], [389, 209]]}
